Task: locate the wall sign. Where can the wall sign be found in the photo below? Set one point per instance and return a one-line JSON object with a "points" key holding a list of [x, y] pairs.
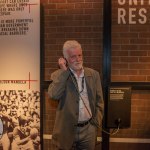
{"points": [[134, 14], [20, 73], [119, 107]]}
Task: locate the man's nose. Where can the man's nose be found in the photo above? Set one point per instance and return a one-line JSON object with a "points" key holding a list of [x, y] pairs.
{"points": [[78, 58]]}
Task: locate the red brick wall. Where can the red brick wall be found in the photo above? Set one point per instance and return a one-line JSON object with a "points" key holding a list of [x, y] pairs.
{"points": [[72, 19], [82, 20], [131, 62], [130, 43]]}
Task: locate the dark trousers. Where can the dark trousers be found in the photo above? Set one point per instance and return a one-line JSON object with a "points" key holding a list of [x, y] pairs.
{"points": [[85, 138]]}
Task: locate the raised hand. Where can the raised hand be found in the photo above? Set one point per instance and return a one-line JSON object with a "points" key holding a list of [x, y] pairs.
{"points": [[62, 63]]}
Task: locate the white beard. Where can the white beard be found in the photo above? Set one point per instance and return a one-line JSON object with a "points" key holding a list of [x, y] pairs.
{"points": [[77, 66]]}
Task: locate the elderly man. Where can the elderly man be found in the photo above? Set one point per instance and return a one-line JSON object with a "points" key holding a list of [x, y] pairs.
{"points": [[80, 108]]}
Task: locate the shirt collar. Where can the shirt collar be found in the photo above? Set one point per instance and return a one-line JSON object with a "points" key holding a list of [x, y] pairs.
{"points": [[81, 75]]}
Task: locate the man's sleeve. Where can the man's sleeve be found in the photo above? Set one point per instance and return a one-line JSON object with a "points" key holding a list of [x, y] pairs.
{"points": [[57, 87]]}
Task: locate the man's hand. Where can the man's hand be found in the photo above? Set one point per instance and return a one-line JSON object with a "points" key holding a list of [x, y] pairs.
{"points": [[62, 63]]}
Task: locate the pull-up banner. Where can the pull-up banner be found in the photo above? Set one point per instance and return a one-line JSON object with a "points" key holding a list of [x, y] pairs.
{"points": [[20, 74]]}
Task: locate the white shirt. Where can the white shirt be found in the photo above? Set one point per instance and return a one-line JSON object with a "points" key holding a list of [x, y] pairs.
{"points": [[84, 107]]}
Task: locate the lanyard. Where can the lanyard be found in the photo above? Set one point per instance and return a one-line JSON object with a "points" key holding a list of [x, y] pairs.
{"points": [[77, 83]]}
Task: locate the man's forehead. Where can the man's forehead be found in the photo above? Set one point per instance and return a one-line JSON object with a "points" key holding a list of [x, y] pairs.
{"points": [[74, 50]]}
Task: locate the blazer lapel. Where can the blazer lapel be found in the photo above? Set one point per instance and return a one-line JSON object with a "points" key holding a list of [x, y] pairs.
{"points": [[88, 79]]}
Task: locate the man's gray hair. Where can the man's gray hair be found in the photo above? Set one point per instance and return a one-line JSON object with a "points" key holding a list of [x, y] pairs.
{"points": [[70, 44]]}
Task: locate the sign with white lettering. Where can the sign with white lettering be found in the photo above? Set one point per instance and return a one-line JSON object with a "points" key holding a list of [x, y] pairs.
{"points": [[119, 107], [20, 73], [136, 13]]}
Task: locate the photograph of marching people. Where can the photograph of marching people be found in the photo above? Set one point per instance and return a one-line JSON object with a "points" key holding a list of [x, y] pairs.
{"points": [[20, 117]]}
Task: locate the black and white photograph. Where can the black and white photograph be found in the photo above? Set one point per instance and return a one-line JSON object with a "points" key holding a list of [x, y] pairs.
{"points": [[20, 116]]}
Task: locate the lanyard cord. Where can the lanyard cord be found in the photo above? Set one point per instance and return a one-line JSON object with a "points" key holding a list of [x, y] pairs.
{"points": [[115, 131], [79, 92]]}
